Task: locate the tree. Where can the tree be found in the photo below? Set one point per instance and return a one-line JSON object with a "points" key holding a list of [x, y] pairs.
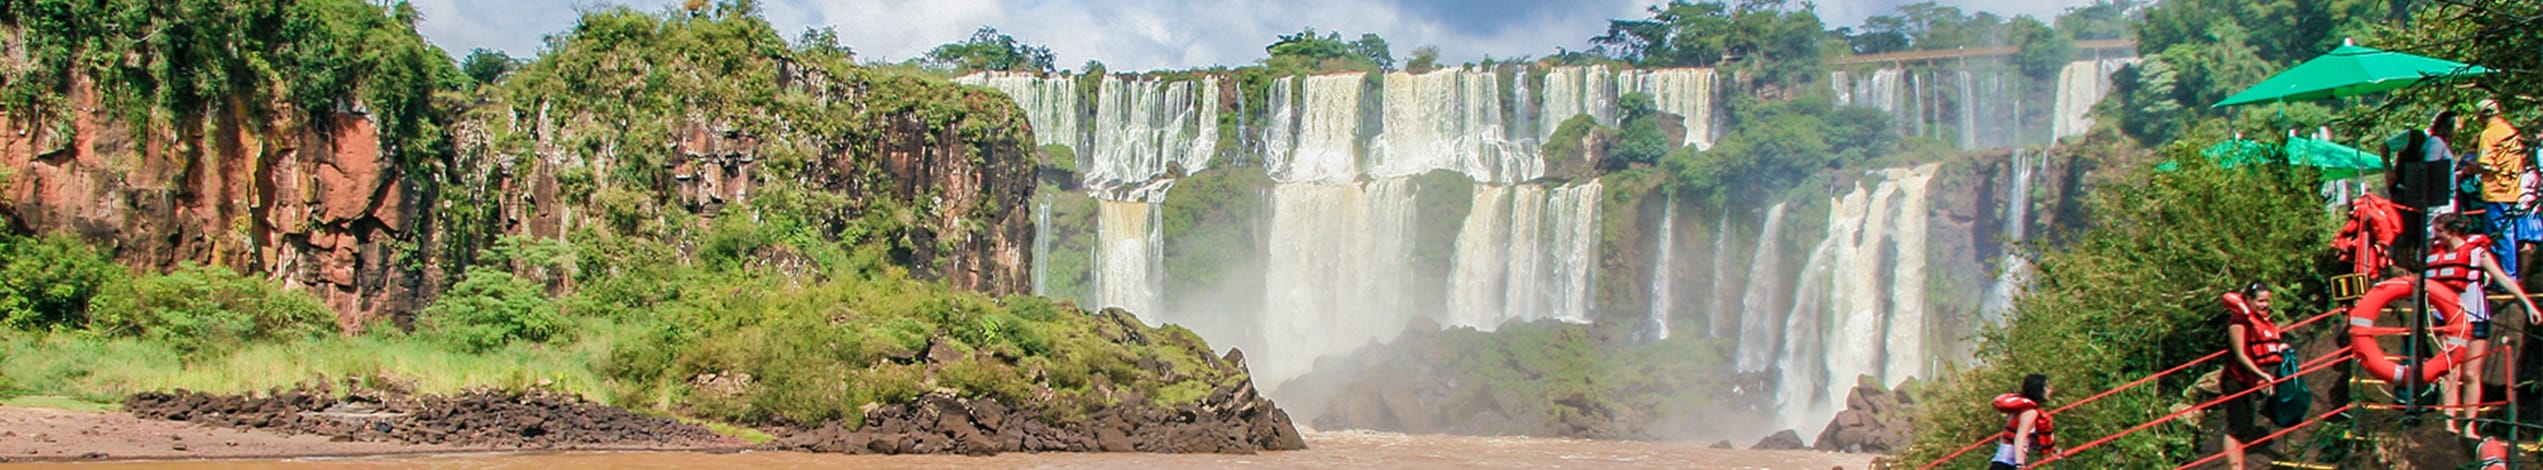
{"points": [[1693, 34], [1642, 141], [1307, 51], [1425, 59], [2043, 51], [485, 65], [987, 49], [824, 40], [1374, 48]]}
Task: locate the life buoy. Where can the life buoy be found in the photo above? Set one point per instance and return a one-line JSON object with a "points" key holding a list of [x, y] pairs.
{"points": [[2494, 455], [2370, 355]]}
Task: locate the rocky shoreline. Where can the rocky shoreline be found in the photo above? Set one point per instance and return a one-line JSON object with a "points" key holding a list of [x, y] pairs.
{"points": [[1232, 420], [533, 419]]}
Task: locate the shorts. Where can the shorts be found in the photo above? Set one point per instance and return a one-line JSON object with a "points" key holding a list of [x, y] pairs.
{"points": [[2239, 412], [2481, 329], [2512, 229]]}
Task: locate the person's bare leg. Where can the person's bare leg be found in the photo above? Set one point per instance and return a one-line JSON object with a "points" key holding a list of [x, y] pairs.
{"points": [[2471, 387], [2233, 450], [2450, 394]]}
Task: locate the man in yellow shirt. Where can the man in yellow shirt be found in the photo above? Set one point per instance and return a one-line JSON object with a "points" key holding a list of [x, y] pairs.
{"points": [[2506, 174]]}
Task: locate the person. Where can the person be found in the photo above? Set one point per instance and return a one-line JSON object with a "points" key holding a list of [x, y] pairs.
{"points": [[2428, 145], [2460, 263], [2257, 348], [2028, 431], [2506, 177]]}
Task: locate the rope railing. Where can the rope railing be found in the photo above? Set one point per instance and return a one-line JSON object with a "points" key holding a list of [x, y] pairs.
{"points": [[2317, 365], [1982, 442], [2271, 436]]}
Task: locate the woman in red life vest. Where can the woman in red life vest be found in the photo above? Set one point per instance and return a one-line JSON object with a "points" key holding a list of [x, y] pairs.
{"points": [[2461, 262], [2258, 350], [2028, 431]]}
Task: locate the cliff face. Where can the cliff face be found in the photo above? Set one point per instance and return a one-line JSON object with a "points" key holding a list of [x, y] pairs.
{"points": [[319, 206], [313, 205]]}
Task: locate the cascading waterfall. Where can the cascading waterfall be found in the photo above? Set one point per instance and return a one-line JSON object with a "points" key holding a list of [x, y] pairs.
{"points": [[1906, 323], [1042, 246], [1448, 120], [1574, 91], [1875, 244], [1759, 316], [1129, 257], [1662, 287], [1050, 103], [1145, 128], [2015, 271], [2081, 85], [1725, 315], [1688, 93], [1328, 129], [1336, 270]]}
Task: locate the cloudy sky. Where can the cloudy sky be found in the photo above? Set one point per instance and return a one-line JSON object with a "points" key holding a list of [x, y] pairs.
{"points": [[1146, 34]]}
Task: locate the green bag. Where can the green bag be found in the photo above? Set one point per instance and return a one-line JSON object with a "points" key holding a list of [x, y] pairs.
{"points": [[2290, 401]]}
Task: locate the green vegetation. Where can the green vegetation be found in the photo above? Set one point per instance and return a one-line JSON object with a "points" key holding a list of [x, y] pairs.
{"points": [[1773, 146], [1306, 53], [46, 282], [173, 64], [987, 49], [1782, 37], [2136, 295]]}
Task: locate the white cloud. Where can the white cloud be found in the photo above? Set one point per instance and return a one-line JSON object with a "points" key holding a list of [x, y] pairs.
{"points": [[1148, 34]]}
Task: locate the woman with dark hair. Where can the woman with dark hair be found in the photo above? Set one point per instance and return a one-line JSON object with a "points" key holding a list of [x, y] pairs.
{"points": [[2027, 428], [2461, 262], [2258, 349]]}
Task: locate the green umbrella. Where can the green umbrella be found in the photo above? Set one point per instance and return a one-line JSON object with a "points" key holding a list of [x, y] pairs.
{"points": [[2232, 153], [2351, 71]]}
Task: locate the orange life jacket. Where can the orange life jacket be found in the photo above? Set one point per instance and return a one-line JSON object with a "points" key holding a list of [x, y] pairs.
{"points": [[2261, 338], [2453, 267], [2043, 429]]}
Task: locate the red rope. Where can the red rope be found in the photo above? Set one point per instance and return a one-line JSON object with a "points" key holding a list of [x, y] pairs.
{"points": [[2271, 436], [2319, 364], [1982, 442]]}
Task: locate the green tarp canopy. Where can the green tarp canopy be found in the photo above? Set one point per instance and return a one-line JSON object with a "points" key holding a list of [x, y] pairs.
{"points": [[2351, 71], [2336, 161]]}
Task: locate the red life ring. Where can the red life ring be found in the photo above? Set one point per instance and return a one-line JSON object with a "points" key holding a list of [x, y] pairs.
{"points": [[2362, 330]]}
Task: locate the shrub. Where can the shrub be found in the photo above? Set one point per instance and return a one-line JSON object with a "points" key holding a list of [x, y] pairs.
{"points": [[490, 308], [49, 282], [195, 308]]}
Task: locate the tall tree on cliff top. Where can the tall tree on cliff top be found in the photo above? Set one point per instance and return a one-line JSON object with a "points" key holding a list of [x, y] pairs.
{"points": [[987, 49], [1782, 34], [1308, 52]]}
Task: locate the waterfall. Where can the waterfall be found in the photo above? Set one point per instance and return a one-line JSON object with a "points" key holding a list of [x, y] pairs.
{"points": [[1049, 103], [1906, 324], [1968, 112], [1448, 120], [1479, 270], [1661, 288], [1129, 257], [1042, 246], [1835, 332], [1145, 129], [2015, 270], [1336, 269], [1325, 140], [1725, 314], [1574, 91], [1688, 93], [1572, 216], [2081, 85], [1758, 314]]}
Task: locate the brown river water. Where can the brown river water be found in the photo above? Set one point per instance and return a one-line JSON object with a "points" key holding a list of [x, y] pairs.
{"points": [[1344, 449]]}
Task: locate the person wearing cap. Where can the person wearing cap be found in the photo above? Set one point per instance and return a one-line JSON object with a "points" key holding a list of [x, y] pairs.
{"points": [[2506, 177]]}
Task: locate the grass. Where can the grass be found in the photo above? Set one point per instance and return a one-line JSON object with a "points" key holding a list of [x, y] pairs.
{"points": [[86, 367]]}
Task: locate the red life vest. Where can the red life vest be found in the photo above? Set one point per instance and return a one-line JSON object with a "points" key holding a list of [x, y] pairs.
{"points": [[2043, 429], [2261, 338], [2453, 267]]}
